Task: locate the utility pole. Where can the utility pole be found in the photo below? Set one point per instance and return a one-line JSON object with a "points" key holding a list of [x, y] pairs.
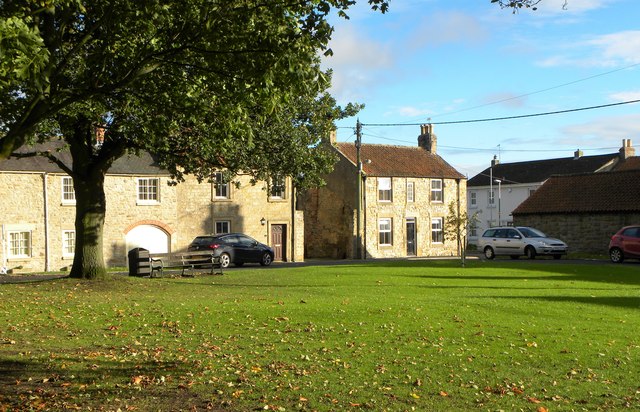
{"points": [[358, 245]]}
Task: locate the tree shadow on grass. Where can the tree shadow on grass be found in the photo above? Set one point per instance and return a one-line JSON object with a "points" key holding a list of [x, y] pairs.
{"points": [[52, 385], [627, 302]]}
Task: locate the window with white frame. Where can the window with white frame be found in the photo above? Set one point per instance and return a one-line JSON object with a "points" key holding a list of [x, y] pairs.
{"points": [[492, 198], [436, 190], [221, 187], [223, 226], [68, 242], [19, 244], [68, 192], [473, 201], [278, 187], [410, 192], [384, 232], [384, 189], [148, 190], [437, 234]]}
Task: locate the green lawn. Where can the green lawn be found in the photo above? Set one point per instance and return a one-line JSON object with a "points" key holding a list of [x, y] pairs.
{"points": [[419, 335]]}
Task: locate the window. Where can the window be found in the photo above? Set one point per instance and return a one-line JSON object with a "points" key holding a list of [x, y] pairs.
{"points": [[221, 187], [223, 226], [384, 189], [148, 190], [277, 187], [473, 201], [68, 242], [436, 190], [410, 192], [384, 230], [68, 193], [492, 198], [19, 244], [531, 191], [437, 235]]}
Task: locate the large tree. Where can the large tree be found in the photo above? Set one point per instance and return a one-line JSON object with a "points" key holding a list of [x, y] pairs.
{"points": [[201, 84]]}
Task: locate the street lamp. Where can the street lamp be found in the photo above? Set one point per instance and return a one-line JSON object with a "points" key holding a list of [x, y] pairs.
{"points": [[499, 182]]}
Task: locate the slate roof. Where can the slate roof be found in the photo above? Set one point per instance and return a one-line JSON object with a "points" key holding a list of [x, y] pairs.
{"points": [[631, 163], [608, 192], [129, 164], [399, 161], [540, 170]]}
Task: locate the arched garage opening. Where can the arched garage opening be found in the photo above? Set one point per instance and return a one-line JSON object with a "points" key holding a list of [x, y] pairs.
{"points": [[150, 237]]}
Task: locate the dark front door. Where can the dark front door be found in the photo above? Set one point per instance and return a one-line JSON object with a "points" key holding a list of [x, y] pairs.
{"points": [[411, 237], [278, 242]]}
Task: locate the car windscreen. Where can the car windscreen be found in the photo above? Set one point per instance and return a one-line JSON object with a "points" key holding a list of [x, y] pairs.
{"points": [[531, 232]]}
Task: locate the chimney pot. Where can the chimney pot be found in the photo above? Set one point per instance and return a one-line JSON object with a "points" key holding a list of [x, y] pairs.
{"points": [[427, 139], [627, 151]]}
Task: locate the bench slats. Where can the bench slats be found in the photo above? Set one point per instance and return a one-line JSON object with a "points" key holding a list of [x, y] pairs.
{"points": [[185, 261]]}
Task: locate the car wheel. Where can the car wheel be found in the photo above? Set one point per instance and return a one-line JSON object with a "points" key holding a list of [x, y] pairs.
{"points": [[266, 259], [489, 253], [225, 260], [530, 251], [616, 255]]}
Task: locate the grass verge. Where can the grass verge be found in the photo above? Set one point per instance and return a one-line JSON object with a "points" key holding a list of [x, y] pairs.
{"points": [[419, 335]]}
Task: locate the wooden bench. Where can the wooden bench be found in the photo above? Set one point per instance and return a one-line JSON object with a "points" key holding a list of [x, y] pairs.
{"points": [[186, 261]]}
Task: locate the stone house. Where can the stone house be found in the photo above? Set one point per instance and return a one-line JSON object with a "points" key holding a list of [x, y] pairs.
{"points": [[584, 210], [38, 209], [496, 192], [404, 198]]}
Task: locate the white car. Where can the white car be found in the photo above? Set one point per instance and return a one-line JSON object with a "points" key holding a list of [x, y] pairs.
{"points": [[519, 241]]}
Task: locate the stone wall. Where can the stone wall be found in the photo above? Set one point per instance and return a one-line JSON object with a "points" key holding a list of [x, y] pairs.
{"points": [[245, 207], [421, 210], [588, 233], [329, 214], [183, 212]]}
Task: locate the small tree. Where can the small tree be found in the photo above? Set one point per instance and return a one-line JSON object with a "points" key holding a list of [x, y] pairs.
{"points": [[457, 225]]}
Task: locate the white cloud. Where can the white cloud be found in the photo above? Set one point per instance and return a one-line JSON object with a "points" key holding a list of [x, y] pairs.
{"points": [[410, 111], [446, 28], [625, 96], [608, 50], [602, 132], [555, 7], [357, 62]]}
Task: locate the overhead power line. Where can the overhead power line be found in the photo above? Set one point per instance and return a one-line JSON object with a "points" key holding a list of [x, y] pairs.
{"points": [[493, 119]]}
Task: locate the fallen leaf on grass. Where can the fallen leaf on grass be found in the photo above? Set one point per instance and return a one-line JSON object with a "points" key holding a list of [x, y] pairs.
{"points": [[533, 400], [443, 394]]}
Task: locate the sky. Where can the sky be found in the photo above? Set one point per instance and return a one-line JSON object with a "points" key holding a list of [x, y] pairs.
{"points": [[448, 61]]}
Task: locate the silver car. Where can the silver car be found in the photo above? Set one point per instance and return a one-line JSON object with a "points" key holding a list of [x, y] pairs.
{"points": [[519, 241]]}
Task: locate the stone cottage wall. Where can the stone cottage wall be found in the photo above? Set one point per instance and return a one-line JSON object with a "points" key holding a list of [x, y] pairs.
{"points": [[22, 209], [329, 214], [422, 210], [246, 206]]}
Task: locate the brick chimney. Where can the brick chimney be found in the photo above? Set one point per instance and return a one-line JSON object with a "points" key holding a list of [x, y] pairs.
{"points": [[427, 139], [627, 151], [577, 154]]}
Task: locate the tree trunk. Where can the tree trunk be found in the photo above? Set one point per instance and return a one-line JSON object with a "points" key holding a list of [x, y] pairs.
{"points": [[88, 261]]}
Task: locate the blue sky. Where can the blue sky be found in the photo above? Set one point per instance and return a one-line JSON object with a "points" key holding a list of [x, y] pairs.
{"points": [[456, 60]]}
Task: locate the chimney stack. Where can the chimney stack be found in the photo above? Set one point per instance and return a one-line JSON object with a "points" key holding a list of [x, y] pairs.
{"points": [[627, 151], [427, 139], [495, 161], [333, 137], [577, 154]]}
